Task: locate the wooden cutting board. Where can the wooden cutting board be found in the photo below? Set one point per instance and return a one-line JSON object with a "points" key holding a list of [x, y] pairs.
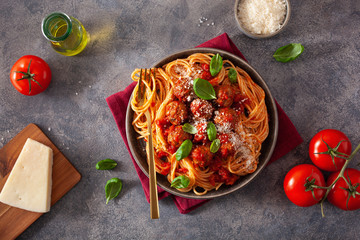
{"points": [[13, 221]]}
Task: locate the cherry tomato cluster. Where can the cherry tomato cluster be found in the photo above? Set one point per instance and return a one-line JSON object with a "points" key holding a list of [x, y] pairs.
{"points": [[305, 185]]}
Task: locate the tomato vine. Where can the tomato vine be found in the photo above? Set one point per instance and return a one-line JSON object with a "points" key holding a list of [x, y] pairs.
{"points": [[352, 189]]}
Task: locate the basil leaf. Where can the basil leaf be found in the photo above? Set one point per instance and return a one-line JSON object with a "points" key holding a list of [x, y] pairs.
{"points": [[106, 164], [211, 131], [112, 189], [215, 145], [184, 150], [181, 181], [203, 89], [187, 127], [216, 64], [289, 52], [232, 75]]}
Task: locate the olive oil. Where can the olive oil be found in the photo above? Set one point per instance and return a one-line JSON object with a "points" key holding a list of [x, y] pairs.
{"points": [[66, 34]]}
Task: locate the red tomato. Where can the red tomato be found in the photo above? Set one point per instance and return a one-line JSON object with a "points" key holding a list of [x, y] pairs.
{"points": [[332, 137], [338, 196], [30, 75], [295, 181]]}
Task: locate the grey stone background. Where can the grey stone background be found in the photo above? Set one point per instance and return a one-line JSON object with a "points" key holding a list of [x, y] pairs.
{"points": [[319, 90]]}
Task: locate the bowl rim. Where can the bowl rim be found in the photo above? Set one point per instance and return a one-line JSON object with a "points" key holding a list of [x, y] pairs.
{"points": [[258, 36], [138, 153]]}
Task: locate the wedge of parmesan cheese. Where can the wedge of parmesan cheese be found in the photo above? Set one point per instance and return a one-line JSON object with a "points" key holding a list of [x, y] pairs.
{"points": [[29, 184]]}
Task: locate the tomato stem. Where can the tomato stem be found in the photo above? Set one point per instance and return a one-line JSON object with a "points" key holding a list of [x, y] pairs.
{"points": [[333, 152], [319, 187], [346, 181], [28, 76]]}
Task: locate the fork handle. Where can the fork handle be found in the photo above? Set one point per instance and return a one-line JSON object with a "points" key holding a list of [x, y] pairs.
{"points": [[154, 203]]}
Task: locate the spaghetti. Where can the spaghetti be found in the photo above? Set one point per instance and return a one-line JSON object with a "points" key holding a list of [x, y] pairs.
{"points": [[238, 113]]}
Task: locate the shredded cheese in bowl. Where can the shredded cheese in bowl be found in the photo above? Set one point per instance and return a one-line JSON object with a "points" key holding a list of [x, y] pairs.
{"points": [[261, 17]]}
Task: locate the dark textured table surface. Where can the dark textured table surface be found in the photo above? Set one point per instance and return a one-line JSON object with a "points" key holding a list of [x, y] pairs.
{"points": [[319, 90]]}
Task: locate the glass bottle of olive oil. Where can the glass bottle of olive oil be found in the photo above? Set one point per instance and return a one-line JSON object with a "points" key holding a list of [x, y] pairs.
{"points": [[66, 34]]}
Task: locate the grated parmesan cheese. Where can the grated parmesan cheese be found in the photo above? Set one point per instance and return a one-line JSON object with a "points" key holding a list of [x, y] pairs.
{"points": [[262, 16]]}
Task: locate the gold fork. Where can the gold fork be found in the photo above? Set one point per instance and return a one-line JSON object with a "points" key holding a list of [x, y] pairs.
{"points": [[154, 204]]}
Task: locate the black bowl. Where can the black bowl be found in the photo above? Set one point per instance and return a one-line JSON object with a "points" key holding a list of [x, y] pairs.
{"points": [[137, 147]]}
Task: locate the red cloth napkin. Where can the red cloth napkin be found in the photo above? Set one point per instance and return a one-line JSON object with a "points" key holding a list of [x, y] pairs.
{"points": [[288, 137]]}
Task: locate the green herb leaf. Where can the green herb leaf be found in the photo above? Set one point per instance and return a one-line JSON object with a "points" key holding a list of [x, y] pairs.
{"points": [[216, 64], [184, 150], [211, 131], [215, 145], [106, 164], [112, 189], [187, 127], [289, 52], [181, 181], [203, 89], [232, 75]]}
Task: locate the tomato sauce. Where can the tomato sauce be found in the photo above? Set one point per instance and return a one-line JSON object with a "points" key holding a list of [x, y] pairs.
{"points": [[162, 154], [166, 168], [227, 177], [163, 124], [239, 103], [182, 170], [206, 72]]}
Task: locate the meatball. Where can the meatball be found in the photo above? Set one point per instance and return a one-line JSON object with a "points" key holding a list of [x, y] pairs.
{"points": [[183, 91], [201, 135], [225, 117], [176, 112], [226, 147], [201, 155], [176, 136], [225, 95], [201, 108]]}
